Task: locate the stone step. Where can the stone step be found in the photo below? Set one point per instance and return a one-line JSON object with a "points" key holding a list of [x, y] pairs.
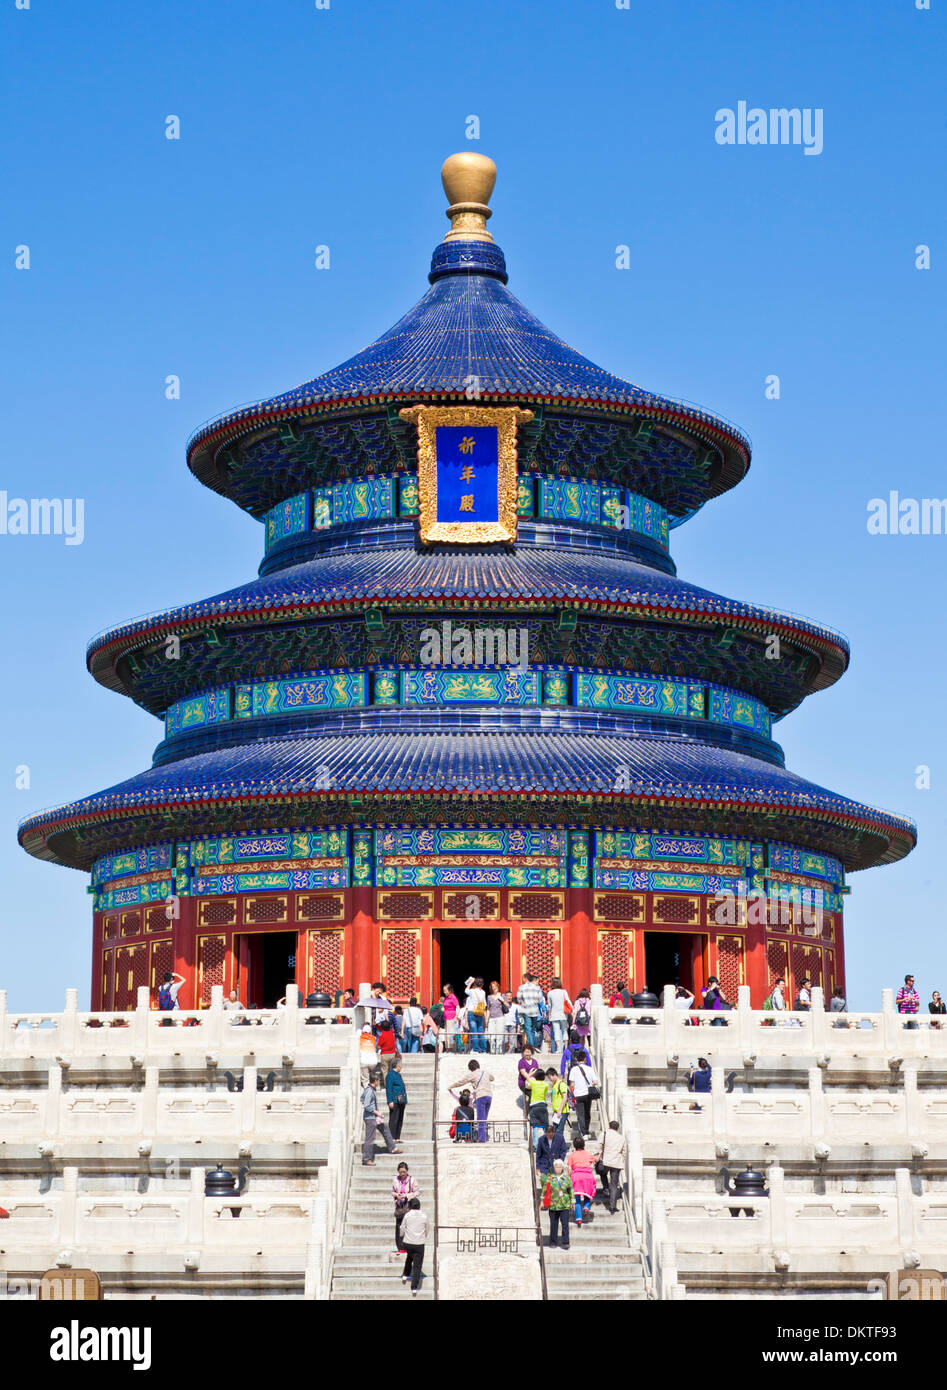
{"points": [[590, 1272], [346, 1286], [584, 1295]]}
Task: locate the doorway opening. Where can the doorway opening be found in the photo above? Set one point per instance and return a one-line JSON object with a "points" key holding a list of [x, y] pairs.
{"points": [[674, 958], [266, 962], [461, 951]]}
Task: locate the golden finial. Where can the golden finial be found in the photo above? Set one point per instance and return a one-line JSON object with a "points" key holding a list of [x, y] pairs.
{"points": [[468, 181]]}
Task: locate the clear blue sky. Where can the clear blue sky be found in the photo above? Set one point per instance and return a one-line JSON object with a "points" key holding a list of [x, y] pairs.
{"points": [[301, 127]]}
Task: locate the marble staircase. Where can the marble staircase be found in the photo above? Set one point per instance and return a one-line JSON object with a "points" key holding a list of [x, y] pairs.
{"points": [[365, 1265]]}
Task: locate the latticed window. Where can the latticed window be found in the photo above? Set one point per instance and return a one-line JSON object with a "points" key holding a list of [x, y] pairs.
{"points": [[536, 907], [806, 960], [131, 972], [401, 964], [676, 911], [326, 961], [162, 960], [777, 958], [616, 962], [406, 907], [218, 912], [269, 909], [540, 949], [730, 965], [618, 907], [157, 919], [211, 955], [319, 907], [110, 927], [131, 923]]}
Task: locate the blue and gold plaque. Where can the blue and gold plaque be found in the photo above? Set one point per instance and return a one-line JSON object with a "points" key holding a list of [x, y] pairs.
{"points": [[467, 482]]}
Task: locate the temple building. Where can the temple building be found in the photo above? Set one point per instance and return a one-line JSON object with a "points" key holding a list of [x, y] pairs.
{"points": [[467, 719]]}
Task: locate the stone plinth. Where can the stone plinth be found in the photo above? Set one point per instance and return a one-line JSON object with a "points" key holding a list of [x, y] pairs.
{"points": [[493, 1277]]}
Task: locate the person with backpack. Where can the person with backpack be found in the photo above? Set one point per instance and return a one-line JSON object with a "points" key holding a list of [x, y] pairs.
{"points": [[481, 1081], [713, 998], [582, 1016], [462, 1119], [803, 1000], [413, 1026], [168, 991], [537, 1104]]}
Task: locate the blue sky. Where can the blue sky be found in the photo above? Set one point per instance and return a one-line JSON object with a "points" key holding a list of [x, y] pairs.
{"points": [[302, 127]]}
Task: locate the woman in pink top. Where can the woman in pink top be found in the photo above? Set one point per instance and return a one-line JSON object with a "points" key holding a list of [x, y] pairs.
{"points": [[451, 1006], [582, 1172]]}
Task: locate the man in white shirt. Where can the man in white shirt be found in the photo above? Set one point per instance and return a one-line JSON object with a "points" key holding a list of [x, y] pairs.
{"points": [[413, 1021], [414, 1232], [776, 998]]}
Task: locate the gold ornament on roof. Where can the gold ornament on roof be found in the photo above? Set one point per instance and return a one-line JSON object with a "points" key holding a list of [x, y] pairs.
{"points": [[468, 180]]}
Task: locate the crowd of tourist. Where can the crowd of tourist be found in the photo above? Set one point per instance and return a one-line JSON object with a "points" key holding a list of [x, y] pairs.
{"points": [[556, 1096], [569, 1166]]}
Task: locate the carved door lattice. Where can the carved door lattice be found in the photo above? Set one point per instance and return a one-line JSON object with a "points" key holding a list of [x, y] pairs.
{"points": [[730, 965], [616, 961], [777, 958], [400, 961], [541, 955], [108, 964], [325, 961], [211, 957], [131, 972], [162, 959]]}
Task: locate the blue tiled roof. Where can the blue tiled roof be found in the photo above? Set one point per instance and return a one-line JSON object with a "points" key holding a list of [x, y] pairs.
{"points": [[402, 573], [467, 325], [484, 762]]}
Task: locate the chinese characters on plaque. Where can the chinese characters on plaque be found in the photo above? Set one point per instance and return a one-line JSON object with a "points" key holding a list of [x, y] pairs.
{"points": [[467, 482]]}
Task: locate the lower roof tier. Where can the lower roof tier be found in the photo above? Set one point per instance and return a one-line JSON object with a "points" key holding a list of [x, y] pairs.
{"points": [[523, 778], [488, 580]]}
